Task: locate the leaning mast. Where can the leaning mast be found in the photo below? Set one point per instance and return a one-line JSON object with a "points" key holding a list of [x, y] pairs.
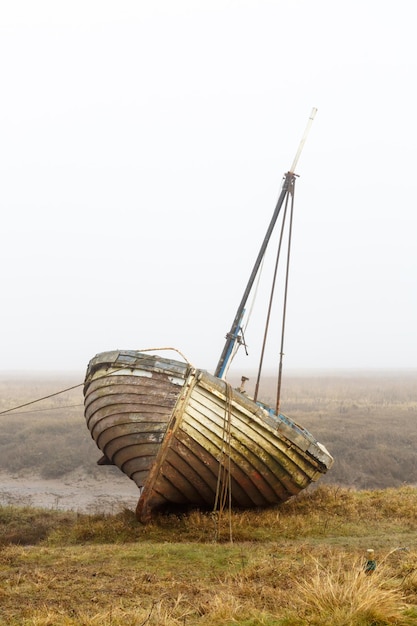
{"points": [[233, 335]]}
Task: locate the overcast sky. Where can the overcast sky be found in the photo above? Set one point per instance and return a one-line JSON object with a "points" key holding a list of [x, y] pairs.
{"points": [[143, 145]]}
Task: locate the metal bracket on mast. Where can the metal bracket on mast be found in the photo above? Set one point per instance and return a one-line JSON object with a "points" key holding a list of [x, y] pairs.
{"points": [[232, 335]]}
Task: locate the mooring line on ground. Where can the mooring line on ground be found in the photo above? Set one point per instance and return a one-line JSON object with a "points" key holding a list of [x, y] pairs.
{"points": [[51, 395]]}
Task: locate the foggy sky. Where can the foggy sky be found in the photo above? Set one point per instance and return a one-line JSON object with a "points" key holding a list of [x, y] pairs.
{"points": [[142, 153]]}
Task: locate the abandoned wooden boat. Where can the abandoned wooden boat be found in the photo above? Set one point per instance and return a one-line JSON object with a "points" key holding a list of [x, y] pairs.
{"points": [[177, 432], [186, 437]]}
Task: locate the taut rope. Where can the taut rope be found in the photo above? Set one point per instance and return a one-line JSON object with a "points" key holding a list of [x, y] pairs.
{"points": [[224, 477]]}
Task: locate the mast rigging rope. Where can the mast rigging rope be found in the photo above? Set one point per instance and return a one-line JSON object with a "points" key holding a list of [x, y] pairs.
{"points": [[224, 477], [51, 395]]}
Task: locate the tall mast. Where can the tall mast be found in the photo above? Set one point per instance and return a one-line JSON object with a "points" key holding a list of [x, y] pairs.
{"points": [[233, 334]]}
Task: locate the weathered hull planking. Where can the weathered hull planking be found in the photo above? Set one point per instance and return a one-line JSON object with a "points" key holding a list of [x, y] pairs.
{"points": [[180, 434]]}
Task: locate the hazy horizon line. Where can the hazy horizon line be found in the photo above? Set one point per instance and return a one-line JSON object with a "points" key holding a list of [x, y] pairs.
{"points": [[269, 372]]}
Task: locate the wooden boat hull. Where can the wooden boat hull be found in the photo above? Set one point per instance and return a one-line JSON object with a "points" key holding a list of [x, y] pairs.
{"points": [[184, 435]]}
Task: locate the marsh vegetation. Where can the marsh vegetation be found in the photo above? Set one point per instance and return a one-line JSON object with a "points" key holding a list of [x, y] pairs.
{"points": [[294, 565], [368, 421]]}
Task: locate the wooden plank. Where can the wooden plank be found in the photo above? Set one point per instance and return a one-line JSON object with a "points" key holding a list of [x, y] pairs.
{"points": [[121, 436], [130, 453]]}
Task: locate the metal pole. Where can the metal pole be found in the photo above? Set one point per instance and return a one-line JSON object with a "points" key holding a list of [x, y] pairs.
{"points": [[232, 335]]}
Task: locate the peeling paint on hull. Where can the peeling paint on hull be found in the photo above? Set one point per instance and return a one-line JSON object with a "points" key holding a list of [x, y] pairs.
{"points": [[171, 428]]}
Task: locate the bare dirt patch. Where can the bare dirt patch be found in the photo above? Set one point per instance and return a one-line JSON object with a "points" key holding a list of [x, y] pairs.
{"points": [[75, 492]]}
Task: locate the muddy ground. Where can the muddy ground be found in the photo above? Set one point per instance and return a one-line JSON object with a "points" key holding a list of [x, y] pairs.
{"points": [[75, 492]]}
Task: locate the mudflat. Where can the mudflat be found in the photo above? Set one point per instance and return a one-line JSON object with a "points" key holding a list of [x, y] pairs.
{"points": [[76, 491]]}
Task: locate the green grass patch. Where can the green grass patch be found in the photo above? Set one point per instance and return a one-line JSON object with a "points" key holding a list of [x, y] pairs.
{"points": [[283, 566]]}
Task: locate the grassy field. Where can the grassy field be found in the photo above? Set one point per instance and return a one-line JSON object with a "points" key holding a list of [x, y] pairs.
{"points": [[301, 564], [298, 564]]}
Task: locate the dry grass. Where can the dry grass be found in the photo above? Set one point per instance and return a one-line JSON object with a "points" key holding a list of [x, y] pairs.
{"points": [[342, 593], [331, 514], [207, 586], [49, 437], [296, 565], [284, 567]]}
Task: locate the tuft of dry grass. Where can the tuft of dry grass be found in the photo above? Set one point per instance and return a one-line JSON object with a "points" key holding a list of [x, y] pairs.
{"points": [[341, 593]]}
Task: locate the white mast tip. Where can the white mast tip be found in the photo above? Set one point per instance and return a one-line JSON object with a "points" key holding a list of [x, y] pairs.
{"points": [[303, 140]]}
